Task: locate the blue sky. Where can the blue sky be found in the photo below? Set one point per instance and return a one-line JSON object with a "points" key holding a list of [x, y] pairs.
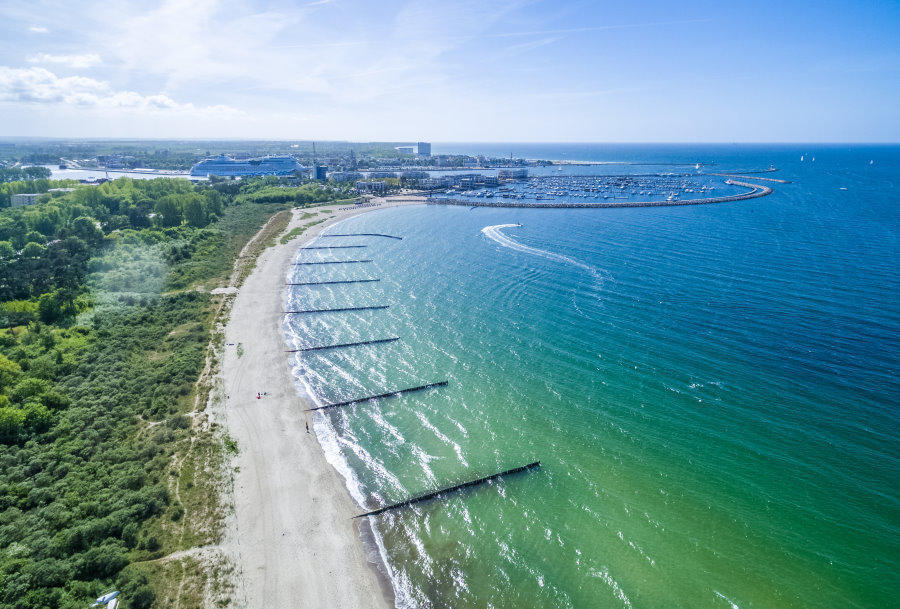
{"points": [[487, 70]]}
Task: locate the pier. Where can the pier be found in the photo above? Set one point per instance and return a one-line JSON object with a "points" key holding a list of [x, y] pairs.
{"points": [[340, 310], [361, 235], [332, 262], [376, 341], [451, 489], [335, 282], [369, 398], [332, 247]]}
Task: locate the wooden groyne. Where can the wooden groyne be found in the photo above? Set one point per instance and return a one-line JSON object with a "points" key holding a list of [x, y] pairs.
{"points": [[369, 398], [332, 247], [361, 235], [758, 190], [332, 262], [361, 343], [334, 282], [340, 310], [451, 489]]}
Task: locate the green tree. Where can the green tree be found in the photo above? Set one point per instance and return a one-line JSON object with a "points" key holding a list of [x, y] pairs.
{"points": [[56, 306], [33, 250], [10, 372], [169, 211], [85, 228], [195, 212], [37, 418], [11, 422]]}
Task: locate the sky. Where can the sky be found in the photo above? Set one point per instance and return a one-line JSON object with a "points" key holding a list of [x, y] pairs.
{"points": [[470, 70]]}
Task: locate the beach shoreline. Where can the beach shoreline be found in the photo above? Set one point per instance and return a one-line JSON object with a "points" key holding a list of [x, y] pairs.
{"points": [[290, 535]]}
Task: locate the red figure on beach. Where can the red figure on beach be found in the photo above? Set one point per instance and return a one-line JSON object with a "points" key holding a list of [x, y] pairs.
{"points": [[258, 397]]}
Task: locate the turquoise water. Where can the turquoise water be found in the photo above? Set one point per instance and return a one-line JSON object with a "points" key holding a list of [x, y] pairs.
{"points": [[711, 391]]}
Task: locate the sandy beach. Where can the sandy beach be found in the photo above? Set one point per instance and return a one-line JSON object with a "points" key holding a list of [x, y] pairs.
{"points": [[290, 536]]}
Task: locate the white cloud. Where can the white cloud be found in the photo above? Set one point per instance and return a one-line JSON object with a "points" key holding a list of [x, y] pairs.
{"points": [[40, 86], [38, 29], [73, 61]]}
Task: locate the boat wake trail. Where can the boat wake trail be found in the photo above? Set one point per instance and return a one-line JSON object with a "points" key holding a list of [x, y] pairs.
{"points": [[495, 233]]}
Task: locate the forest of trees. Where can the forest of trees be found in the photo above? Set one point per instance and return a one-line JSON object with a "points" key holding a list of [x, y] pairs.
{"points": [[103, 332], [15, 174]]}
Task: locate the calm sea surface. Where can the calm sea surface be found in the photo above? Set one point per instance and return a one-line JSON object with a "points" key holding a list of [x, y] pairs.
{"points": [[711, 390]]}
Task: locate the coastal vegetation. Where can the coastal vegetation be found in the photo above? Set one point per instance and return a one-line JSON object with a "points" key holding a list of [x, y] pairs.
{"points": [[107, 334]]}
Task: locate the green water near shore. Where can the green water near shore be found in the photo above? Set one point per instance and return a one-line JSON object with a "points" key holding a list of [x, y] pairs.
{"points": [[711, 391]]}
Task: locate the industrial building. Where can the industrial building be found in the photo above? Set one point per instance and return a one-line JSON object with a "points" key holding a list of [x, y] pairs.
{"points": [[265, 166], [318, 172], [405, 149]]}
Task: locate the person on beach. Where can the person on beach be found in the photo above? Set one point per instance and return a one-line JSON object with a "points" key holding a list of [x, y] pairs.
{"points": [[307, 427]]}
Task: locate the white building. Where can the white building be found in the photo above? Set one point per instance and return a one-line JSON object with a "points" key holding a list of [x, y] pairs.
{"points": [[24, 199], [372, 186], [512, 174]]}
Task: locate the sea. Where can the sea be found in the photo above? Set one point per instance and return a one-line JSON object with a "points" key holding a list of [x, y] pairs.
{"points": [[711, 390]]}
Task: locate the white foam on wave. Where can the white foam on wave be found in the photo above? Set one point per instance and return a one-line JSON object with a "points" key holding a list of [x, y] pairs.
{"points": [[330, 441], [495, 233], [613, 584], [733, 604]]}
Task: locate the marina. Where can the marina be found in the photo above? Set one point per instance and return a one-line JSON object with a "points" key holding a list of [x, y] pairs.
{"points": [[602, 192]]}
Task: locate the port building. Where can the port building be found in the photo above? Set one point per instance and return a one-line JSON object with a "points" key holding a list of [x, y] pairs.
{"points": [[264, 166], [512, 174]]}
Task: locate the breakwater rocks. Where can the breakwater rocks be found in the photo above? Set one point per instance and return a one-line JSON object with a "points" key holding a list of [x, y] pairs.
{"points": [[757, 190]]}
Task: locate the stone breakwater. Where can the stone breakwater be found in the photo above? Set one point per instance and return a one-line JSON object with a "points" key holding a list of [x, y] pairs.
{"points": [[757, 190]]}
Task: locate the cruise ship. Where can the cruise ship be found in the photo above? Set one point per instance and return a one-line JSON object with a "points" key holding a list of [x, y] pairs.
{"points": [[264, 166]]}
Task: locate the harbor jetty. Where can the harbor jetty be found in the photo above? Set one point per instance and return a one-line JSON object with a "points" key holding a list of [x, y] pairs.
{"points": [[451, 489]]}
